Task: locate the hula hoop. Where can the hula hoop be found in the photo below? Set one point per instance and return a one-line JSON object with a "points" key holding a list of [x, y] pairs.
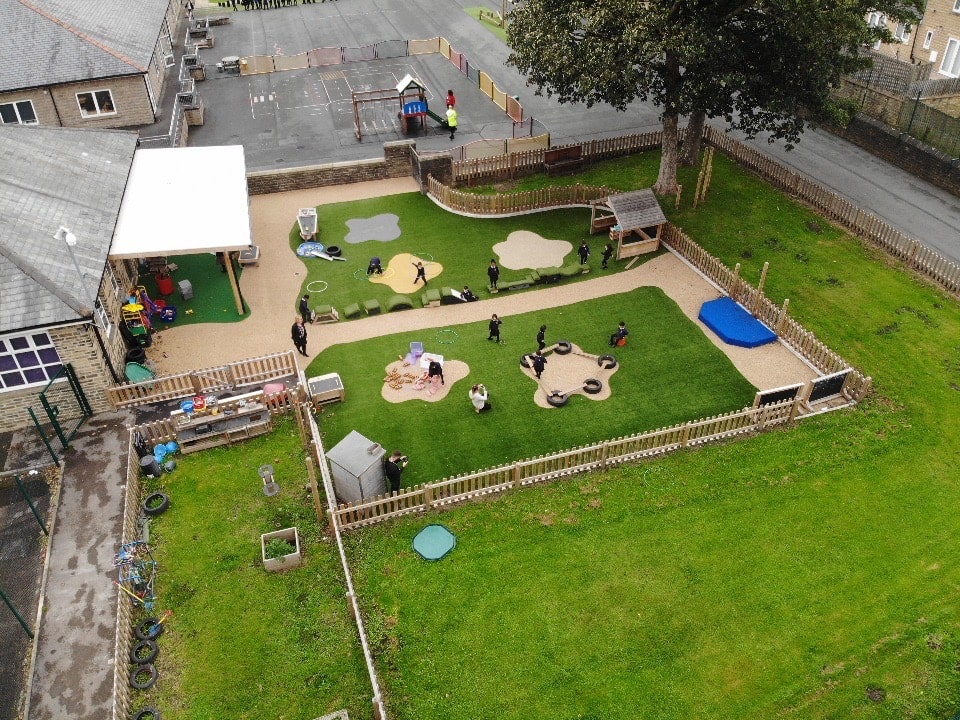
{"points": [[312, 289], [362, 277], [426, 257], [447, 336]]}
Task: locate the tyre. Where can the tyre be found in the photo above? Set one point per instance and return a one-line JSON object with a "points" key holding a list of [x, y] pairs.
{"points": [[607, 362], [155, 503], [525, 361], [556, 398], [148, 713], [144, 652], [142, 677], [563, 347], [334, 251], [149, 629], [592, 386]]}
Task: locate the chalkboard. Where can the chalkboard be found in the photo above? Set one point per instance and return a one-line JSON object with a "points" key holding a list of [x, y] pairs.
{"points": [[769, 397], [828, 386]]}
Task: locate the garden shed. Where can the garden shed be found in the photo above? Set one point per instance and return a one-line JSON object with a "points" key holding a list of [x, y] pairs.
{"points": [[633, 219], [356, 464]]}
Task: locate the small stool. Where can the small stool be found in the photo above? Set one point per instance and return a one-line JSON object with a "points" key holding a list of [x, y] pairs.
{"points": [[372, 307], [352, 310], [621, 342]]}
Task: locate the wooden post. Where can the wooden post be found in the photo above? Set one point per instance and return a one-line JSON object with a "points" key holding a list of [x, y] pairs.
{"points": [[676, 205], [763, 281], [735, 284], [228, 257], [314, 490], [783, 316]]}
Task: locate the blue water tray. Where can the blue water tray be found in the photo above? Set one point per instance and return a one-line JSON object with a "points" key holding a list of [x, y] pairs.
{"points": [[734, 325]]}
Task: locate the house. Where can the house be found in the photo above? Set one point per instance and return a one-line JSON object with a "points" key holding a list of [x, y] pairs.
{"points": [[936, 40], [60, 303], [91, 65]]}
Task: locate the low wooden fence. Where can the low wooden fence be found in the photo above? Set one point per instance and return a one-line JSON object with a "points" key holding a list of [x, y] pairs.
{"points": [[599, 456], [518, 164], [841, 211], [244, 373], [503, 204]]}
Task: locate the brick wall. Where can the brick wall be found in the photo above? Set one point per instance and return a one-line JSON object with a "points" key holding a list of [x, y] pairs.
{"points": [[130, 99], [77, 345], [42, 104], [395, 163], [904, 152]]}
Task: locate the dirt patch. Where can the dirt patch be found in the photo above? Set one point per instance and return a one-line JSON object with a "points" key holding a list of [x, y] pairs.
{"points": [[403, 381], [568, 374], [400, 273], [524, 249]]}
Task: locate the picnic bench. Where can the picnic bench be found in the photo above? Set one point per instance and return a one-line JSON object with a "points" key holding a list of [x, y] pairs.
{"points": [[563, 159]]}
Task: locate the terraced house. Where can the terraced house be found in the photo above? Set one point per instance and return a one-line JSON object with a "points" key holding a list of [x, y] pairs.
{"points": [[84, 64]]}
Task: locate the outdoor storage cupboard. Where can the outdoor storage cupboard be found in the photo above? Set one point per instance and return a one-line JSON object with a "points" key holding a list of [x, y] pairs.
{"points": [[356, 465]]}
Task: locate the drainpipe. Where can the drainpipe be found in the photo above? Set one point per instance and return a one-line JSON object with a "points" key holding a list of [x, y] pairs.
{"points": [[106, 355]]}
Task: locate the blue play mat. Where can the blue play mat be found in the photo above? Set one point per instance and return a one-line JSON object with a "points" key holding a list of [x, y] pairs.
{"points": [[434, 542], [308, 249], [734, 325]]}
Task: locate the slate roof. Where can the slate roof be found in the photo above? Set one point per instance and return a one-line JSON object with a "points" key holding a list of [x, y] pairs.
{"points": [[48, 42], [54, 177], [637, 209]]}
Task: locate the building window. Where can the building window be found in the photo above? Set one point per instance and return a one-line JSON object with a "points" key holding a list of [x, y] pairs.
{"points": [[102, 318], [18, 113], [99, 102], [27, 360], [877, 19], [951, 58], [928, 38], [903, 31], [956, 6]]}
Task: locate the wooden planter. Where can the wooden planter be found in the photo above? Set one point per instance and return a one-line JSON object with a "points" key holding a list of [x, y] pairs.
{"points": [[286, 562]]}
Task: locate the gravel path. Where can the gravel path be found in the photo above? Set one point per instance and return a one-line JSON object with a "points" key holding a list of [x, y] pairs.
{"points": [[269, 287]]}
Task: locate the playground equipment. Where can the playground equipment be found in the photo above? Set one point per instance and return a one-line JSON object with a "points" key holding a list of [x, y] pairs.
{"points": [[307, 219], [407, 102]]}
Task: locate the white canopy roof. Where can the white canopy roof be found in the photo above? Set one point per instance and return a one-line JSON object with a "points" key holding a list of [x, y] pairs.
{"points": [[184, 201]]}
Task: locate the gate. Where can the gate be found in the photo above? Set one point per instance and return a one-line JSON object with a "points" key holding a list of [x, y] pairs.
{"points": [[66, 407]]}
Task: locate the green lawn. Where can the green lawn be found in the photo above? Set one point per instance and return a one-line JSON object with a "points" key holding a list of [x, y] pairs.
{"points": [[669, 373], [461, 245], [242, 642], [809, 573]]}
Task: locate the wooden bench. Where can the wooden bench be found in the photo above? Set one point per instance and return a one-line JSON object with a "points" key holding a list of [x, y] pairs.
{"points": [[564, 159]]}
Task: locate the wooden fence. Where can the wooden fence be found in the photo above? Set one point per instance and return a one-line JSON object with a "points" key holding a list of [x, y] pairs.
{"points": [[503, 204], [599, 456], [244, 373], [841, 211], [507, 167]]}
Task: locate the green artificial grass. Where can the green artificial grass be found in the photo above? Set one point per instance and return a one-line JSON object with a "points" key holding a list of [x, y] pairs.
{"points": [[243, 642], [474, 12], [463, 246], [809, 572], [212, 295], [669, 372]]}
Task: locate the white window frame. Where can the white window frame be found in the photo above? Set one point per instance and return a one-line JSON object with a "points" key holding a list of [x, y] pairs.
{"points": [[17, 111], [956, 6], [49, 368], [928, 38], [950, 66], [113, 281], [877, 19], [903, 31], [102, 318], [98, 103]]}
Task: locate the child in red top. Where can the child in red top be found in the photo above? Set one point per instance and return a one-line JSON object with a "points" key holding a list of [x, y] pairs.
{"points": [[451, 99]]}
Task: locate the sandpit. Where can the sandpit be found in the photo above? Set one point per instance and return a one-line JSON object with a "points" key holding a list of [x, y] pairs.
{"points": [[404, 387], [569, 373], [400, 273], [524, 249]]}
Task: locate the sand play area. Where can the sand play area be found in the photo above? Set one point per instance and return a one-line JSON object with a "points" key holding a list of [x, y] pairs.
{"points": [[404, 381], [400, 272], [524, 249], [575, 373]]}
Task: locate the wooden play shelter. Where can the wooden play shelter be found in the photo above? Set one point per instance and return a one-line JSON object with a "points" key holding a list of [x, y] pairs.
{"points": [[633, 219]]}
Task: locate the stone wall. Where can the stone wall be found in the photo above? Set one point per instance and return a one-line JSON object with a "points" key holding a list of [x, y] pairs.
{"points": [[904, 152], [130, 99], [396, 163]]}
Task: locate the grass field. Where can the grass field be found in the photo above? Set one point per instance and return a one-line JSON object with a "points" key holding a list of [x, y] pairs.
{"points": [[805, 573], [669, 373], [243, 642]]}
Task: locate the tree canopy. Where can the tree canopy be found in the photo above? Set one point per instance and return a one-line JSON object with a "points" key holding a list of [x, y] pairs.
{"points": [[761, 65]]}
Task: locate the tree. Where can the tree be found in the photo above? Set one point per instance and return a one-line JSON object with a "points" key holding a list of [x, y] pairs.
{"points": [[761, 65]]}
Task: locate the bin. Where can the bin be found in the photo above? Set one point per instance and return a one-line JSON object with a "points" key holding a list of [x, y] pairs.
{"points": [[150, 466], [164, 284]]}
